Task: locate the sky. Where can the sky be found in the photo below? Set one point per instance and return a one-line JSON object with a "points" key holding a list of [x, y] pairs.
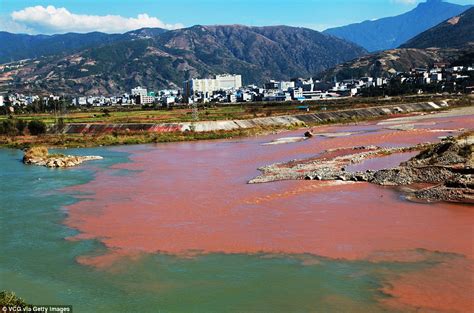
{"points": [[117, 16]]}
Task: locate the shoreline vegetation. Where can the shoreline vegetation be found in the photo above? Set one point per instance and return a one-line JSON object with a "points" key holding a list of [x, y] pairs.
{"points": [[25, 131], [9, 299]]}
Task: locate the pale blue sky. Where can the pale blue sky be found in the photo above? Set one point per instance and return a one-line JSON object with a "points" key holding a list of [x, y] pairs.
{"points": [[316, 14]]}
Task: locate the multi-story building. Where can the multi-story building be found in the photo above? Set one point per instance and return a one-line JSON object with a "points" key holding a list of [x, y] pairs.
{"points": [[142, 96], [141, 99], [208, 86], [285, 86], [226, 82], [139, 91]]}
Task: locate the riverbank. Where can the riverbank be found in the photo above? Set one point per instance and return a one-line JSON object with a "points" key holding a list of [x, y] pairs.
{"points": [[99, 134], [125, 138]]}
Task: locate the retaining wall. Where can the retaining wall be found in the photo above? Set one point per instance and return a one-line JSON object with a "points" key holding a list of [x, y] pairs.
{"points": [[362, 113]]}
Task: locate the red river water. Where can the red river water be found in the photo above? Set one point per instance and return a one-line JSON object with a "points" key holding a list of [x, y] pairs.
{"points": [[192, 198]]}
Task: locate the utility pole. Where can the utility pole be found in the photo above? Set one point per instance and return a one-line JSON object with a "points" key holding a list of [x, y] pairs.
{"points": [[195, 112]]}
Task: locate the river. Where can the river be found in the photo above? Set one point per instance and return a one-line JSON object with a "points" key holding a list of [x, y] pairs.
{"points": [[175, 228]]}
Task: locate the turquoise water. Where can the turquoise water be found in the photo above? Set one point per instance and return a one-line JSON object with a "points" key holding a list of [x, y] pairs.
{"points": [[40, 265]]}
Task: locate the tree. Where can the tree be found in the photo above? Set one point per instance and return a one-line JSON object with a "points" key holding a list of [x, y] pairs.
{"points": [[20, 126], [9, 299], [8, 127], [37, 127]]}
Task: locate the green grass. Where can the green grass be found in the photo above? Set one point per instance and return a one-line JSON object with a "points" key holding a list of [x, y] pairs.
{"points": [[209, 112]]}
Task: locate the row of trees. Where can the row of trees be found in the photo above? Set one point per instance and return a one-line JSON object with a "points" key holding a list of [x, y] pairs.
{"points": [[397, 88], [15, 127], [39, 106]]}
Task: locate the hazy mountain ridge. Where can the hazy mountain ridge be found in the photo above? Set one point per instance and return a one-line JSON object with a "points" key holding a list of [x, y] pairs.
{"points": [[14, 47], [451, 41], [165, 60], [391, 32], [456, 32]]}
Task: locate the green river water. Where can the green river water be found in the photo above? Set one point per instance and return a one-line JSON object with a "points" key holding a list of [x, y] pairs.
{"points": [[39, 264]]}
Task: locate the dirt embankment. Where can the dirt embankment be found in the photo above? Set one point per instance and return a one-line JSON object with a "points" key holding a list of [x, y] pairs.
{"points": [[355, 114], [446, 168]]}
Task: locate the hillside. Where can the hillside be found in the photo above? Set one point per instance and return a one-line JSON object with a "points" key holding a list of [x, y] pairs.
{"points": [[166, 60], [391, 32], [457, 32], [386, 63], [15, 47]]}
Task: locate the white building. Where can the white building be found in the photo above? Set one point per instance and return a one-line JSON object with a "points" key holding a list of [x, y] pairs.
{"points": [[139, 91], [226, 82], [168, 100], [297, 94], [285, 86], [1, 101], [81, 101], [210, 85]]}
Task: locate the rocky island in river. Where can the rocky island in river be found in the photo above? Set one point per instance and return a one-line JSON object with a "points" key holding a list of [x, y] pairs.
{"points": [[40, 156], [444, 170]]}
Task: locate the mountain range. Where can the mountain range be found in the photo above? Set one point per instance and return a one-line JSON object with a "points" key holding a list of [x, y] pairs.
{"points": [[98, 63], [391, 32], [456, 32], [389, 62], [14, 47], [452, 41], [165, 59]]}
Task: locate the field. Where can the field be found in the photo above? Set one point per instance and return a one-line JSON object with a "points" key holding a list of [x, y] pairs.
{"points": [[207, 112], [185, 114]]}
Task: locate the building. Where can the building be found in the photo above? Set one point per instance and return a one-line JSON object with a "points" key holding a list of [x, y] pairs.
{"points": [[81, 101], [285, 86], [139, 91], [208, 86], [1, 101], [271, 85], [145, 99], [226, 82], [142, 96]]}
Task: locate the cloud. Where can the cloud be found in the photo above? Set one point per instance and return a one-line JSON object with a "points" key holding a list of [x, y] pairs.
{"points": [[6, 24], [318, 27], [59, 20]]}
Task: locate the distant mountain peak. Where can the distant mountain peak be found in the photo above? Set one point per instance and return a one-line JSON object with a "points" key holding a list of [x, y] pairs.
{"points": [[456, 32], [391, 32]]}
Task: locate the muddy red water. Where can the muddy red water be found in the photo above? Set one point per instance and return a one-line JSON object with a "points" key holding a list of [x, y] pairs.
{"points": [[185, 198]]}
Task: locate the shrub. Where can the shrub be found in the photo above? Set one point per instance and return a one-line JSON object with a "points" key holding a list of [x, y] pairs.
{"points": [[9, 299], [61, 124], [36, 152], [9, 127], [37, 127], [21, 125]]}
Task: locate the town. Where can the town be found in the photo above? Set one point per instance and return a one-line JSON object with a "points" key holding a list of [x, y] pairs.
{"points": [[228, 88]]}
